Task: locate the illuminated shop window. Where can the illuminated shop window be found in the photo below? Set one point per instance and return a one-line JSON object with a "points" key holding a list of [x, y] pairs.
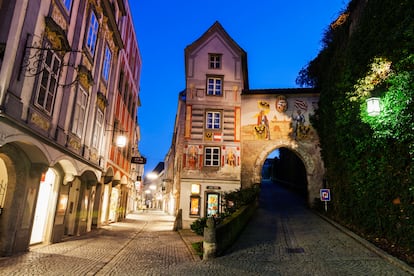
{"points": [[195, 205], [195, 189], [212, 204]]}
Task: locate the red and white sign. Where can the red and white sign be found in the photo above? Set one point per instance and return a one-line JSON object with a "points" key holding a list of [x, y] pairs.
{"points": [[217, 136]]}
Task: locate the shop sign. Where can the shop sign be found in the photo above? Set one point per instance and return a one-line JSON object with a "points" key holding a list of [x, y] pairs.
{"points": [[138, 160], [213, 188]]}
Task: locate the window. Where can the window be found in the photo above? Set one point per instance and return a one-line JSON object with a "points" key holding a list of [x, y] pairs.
{"points": [[121, 81], [212, 156], [214, 61], [212, 204], [67, 4], [213, 120], [195, 205], [48, 81], [80, 113], [92, 33], [107, 63], [126, 91], [96, 139], [214, 86]]}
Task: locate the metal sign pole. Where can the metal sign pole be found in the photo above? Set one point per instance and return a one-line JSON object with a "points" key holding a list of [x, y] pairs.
{"points": [[325, 195]]}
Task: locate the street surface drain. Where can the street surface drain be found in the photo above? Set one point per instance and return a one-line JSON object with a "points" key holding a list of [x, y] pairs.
{"points": [[295, 250]]}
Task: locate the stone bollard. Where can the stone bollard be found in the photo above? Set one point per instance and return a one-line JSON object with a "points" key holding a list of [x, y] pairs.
{"points": [[178, 223], [209, 242]]}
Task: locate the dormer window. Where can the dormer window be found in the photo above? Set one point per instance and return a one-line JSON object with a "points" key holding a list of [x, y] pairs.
{"points": [[214, 61]]}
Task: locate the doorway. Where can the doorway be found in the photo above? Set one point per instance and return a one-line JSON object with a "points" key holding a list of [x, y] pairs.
{"points": [[45, 208], [113, 205]]}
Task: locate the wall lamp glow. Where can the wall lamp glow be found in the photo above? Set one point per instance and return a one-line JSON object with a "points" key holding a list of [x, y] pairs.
{"points": [[152, 176], [121, 139], [373, 106]]}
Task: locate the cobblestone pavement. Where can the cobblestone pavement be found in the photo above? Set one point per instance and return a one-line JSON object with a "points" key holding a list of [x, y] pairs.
{"points": [[284, 238], [144, 244]]}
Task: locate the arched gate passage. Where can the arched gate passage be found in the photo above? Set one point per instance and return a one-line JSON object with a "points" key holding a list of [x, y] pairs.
{"points": [[257, 153], [272, 120]]}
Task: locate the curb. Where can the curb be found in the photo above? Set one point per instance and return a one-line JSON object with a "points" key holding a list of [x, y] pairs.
{"points": [[391, 259], [190, 248]]}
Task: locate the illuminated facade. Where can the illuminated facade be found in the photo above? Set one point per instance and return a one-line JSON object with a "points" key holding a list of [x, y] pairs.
{"points": [[207, 131], [224, 130], [60, 68]]}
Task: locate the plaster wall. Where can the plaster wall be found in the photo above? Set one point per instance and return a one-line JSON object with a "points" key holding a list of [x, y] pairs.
{"points": [[273, 121]]}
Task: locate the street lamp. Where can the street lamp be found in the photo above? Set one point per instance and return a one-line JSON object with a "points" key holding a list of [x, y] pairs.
{"points": [[152, 176], [373, 106]]}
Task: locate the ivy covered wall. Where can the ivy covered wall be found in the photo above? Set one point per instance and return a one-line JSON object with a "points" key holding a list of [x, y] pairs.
{"points": [[368, 52]]}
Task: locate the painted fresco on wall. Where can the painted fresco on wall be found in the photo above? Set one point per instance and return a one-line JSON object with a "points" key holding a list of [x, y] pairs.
{"points": [[278, 117], [192, 157], [229, 160]]}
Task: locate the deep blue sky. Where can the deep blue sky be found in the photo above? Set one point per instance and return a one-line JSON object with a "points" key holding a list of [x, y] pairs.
{"points": [[280, 37]]}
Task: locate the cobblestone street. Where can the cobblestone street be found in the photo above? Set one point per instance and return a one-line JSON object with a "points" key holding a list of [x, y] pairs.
{"points": [[142, 245], [284, 238]]}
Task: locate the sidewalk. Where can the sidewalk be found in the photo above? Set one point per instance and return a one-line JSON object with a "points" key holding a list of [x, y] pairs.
{"points": [[143, 244]]}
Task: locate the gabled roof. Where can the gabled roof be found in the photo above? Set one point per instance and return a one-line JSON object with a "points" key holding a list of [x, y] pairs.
{"points": [[159, 168], [218, 28]]}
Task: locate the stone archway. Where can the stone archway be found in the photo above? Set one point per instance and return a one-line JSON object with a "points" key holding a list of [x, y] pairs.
{"points": [[276, 118], [255, 153]]}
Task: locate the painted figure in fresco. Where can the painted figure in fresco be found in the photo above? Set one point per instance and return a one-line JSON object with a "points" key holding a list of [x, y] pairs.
{"points": [[299, 119], [262, 128], [300, 129], [192, 157], [231, 158], [263, 125]]}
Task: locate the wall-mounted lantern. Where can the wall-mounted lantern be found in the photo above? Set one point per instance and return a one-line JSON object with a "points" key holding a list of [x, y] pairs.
{"points": [[373, 106], [121, 140], [120, 137]]}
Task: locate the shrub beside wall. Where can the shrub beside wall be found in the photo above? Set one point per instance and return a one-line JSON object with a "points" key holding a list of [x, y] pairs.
{"points": [[229, 230]]}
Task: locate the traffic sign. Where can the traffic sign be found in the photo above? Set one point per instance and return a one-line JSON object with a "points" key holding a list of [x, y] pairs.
{"points": [[325, 194]]}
